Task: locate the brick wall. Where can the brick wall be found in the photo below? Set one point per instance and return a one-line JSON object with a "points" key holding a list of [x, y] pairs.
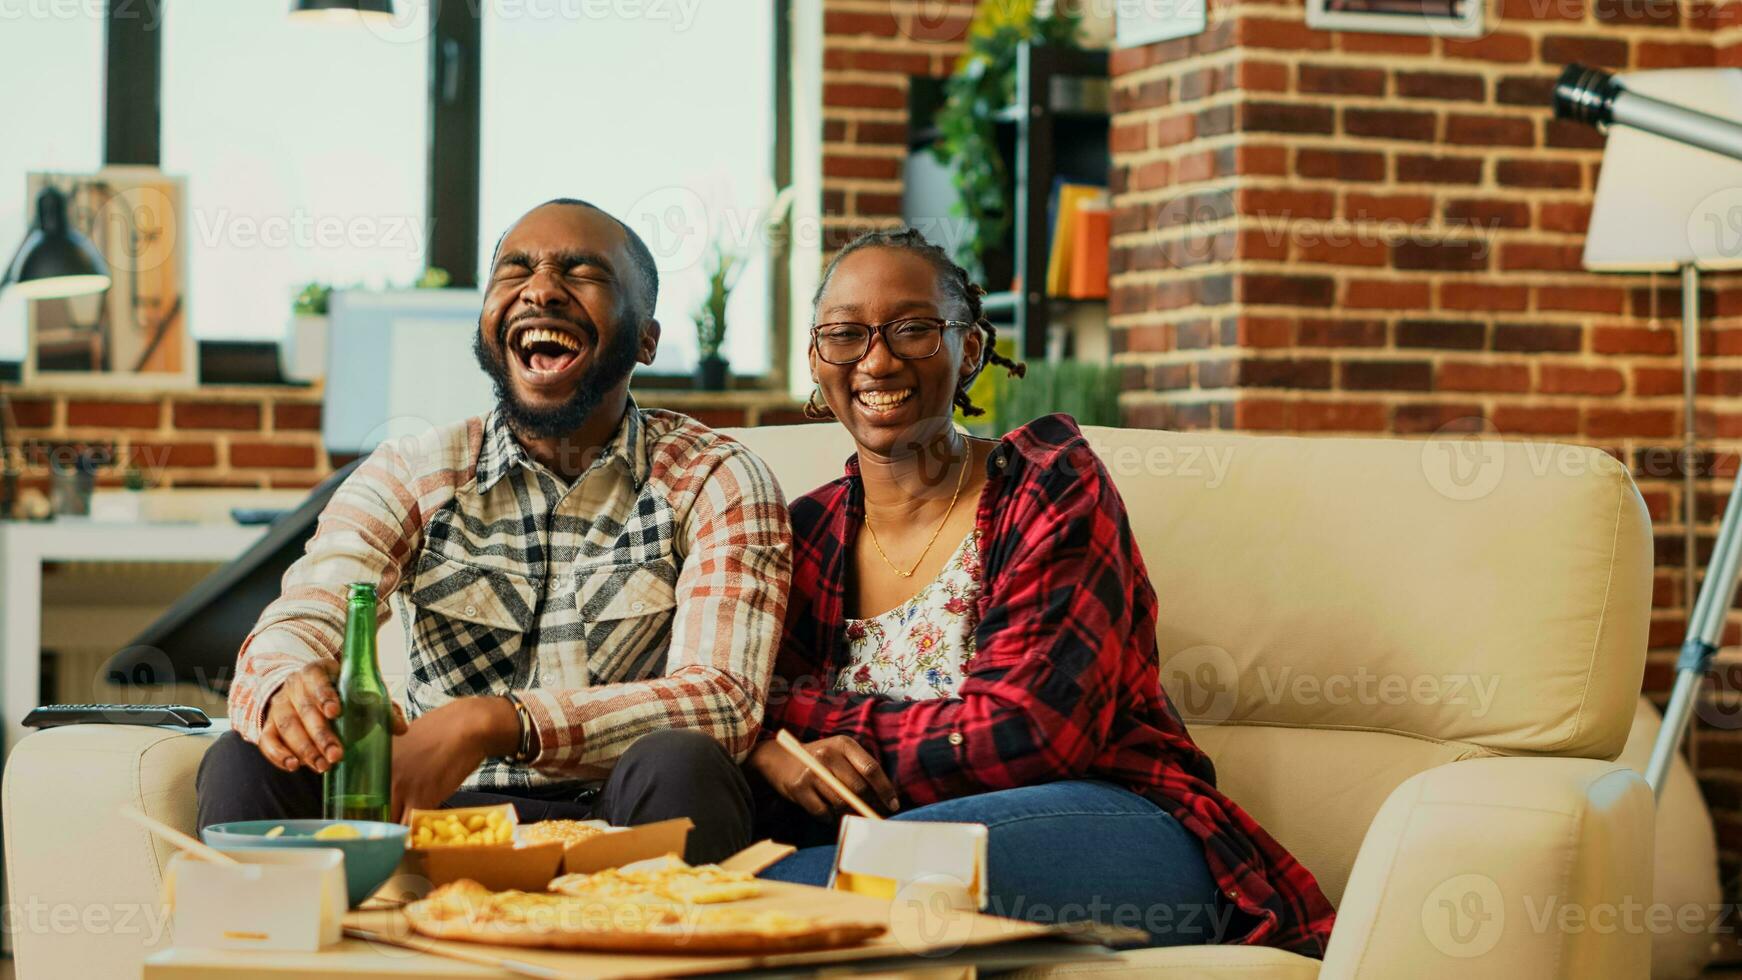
{"points": [[1380, 234], [870, 48], [204, 437], [251, 437]]}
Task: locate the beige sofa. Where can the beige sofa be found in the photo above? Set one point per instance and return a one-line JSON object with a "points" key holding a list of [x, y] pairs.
{"points": [[1412, 661]]}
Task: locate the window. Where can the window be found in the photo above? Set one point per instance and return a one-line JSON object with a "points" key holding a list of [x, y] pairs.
{"points": [[666, 120], [55, 53], [302, 143]]}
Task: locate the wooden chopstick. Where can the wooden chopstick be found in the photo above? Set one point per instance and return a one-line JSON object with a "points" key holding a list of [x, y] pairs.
{"points": [[822, 772], [179, 839]]}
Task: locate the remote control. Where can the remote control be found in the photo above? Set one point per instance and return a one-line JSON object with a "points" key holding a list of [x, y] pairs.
{"points": [[54, 715]]}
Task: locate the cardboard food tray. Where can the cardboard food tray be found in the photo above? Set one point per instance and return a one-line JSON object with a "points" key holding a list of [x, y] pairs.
{"points": [[530, 867], [904, 939]]}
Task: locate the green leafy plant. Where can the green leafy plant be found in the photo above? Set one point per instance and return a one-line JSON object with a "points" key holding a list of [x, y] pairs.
{"points": [[312, 301], [722, 268], [984, 83], [1087, 392], [434, 277]]}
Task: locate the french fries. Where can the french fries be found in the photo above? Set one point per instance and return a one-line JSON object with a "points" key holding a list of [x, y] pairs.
{"points": [[440, 829]]}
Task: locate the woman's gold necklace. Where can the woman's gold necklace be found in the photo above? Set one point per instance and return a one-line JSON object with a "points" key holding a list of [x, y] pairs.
{"points": [[961, 482]]}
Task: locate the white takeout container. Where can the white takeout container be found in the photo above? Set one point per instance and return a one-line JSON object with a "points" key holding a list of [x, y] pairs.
{"points": [[279, 898], [913, 859]]}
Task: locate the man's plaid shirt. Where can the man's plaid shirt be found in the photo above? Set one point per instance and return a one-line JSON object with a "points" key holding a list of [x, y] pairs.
{"points": [[646, 595], [1064, 684]]}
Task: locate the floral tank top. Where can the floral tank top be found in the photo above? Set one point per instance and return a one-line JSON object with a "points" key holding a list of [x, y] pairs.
{"points": [[921, 648]]}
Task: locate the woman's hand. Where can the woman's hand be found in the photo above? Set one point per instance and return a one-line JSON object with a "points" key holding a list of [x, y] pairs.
{"points": [[849, 762]]}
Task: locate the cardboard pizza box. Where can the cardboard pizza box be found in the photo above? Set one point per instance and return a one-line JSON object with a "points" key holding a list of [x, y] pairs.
{"points": [[530, 867]]}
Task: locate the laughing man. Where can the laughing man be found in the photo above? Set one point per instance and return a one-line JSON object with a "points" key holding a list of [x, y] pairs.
{"points": [[592, 593]]}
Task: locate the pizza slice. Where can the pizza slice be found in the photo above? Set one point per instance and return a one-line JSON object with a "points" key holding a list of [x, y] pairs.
{"points": [[467, 911], [706, 884]]}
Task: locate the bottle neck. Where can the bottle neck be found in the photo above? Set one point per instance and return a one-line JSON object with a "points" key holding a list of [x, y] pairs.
{"points": [[359, 652]]}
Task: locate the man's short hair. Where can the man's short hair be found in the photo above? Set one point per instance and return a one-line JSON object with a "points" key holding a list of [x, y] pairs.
{"points": [[645, 297]]}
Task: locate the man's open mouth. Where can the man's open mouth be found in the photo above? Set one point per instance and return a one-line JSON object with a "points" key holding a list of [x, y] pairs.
{"points": [[545, 351]]}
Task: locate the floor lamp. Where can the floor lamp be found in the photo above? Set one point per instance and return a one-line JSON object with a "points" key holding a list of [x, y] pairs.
{"points": [[1669, 199], [53, 262]]}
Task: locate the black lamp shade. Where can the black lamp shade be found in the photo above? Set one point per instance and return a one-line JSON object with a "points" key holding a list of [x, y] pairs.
{"points": [[355, 6], [55, 260]]}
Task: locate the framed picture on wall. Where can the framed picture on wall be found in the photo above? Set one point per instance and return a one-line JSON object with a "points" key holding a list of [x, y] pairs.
{"points": [[1450, 18], [134, 334]]}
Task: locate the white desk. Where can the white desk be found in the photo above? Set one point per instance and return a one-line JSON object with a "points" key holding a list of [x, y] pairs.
{"points": [[24, 547]]}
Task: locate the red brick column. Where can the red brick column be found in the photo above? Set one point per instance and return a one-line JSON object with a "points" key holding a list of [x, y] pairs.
{"points": [[870, 48]]}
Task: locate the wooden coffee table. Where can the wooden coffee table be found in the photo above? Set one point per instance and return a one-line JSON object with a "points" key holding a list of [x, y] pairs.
{"points": [[351, 959], [922, 949]]}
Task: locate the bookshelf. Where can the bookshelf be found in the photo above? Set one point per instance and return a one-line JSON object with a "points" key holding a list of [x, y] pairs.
{"points": [[1056, 128]]}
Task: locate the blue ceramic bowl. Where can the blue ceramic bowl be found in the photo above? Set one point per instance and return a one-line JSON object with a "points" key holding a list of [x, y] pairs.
{"points": [[369, 860]]}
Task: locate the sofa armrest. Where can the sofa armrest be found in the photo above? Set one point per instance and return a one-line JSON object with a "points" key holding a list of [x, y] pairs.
{"points": [[1514, 867], [84, 884]]}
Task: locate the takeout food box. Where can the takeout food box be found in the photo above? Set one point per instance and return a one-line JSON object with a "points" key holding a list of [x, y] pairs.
{"points": [[618, 846], [278, 899], [524, 866], [912, 859]]}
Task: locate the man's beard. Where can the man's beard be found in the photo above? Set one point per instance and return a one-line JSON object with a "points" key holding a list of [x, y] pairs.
{"points": [[610, 365]]}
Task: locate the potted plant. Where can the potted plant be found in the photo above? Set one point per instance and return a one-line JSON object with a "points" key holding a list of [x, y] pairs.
{"points": [[984, 83], [722, 268], [723, 265], [303, 355]]}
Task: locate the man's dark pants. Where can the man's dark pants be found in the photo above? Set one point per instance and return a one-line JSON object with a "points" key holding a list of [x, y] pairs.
{"points": [[664, 775]]}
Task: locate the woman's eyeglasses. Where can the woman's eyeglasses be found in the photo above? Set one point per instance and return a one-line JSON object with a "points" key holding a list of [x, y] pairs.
{"points": [[912, 338]]}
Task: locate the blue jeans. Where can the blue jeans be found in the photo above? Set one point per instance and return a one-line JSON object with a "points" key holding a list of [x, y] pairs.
{"points": [[1071, 851]]}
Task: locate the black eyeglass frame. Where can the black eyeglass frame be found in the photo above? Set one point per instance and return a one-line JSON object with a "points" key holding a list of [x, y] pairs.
{"points": [[882, 330]]}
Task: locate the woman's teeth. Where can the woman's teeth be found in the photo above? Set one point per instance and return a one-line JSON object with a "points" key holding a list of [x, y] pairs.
{"points": [[882, 401]]}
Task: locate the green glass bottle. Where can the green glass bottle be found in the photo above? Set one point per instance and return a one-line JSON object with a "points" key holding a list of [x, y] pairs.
{"points": [[360, 785]]}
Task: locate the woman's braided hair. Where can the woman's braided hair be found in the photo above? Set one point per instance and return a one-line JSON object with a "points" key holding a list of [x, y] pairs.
{"points": [[954, 279]]}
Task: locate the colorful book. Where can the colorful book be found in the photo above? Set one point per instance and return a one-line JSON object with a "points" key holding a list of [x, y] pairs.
{"points": [[1067, 212]]}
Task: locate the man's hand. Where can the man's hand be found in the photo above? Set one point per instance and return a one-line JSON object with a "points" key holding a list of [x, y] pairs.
{"points": [[299, 720], [440, 749], [849, 762]]}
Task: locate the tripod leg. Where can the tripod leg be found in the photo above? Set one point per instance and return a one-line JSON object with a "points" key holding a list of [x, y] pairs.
{"points": [[1705, 633]]}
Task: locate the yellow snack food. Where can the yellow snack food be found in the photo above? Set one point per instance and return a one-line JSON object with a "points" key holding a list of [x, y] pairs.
{"points": [[458, 830], [338, 831]]}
